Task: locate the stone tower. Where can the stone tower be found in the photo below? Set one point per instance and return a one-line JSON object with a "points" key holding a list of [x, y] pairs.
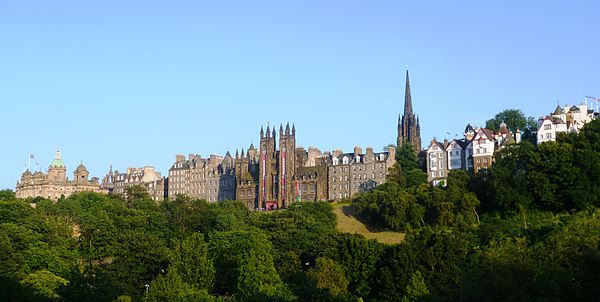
{"points": [[287, 165], [57, 170], [267, 186], [81, 174], [409, 130]]}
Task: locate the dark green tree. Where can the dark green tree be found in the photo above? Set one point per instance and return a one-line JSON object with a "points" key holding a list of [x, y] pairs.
{"points": [[514, 119], [190, 259]]}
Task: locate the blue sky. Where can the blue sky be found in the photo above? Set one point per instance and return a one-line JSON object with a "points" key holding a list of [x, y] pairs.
{"points": [[136, 82]]}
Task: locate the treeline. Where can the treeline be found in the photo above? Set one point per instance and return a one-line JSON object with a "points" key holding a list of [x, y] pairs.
{"points": [[93, 247]]}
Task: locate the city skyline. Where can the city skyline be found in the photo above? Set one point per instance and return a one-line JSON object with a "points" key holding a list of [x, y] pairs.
{"points": [[137, 85]]}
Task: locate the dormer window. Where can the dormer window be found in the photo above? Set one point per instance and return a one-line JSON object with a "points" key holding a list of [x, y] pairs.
{"points": [[345, 160], [335, 161]]}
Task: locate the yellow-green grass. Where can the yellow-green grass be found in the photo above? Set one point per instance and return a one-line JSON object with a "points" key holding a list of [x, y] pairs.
{"points": [[347, 223]]}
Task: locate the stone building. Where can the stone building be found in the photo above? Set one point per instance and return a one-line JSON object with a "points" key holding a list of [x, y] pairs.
{"points": [[277, 168], [271, 178], [211, 179], [246, 177], [437, 157], [352, 173], [54, 184], [275, 176], [310, 181], [409, 130], [145, 177]]}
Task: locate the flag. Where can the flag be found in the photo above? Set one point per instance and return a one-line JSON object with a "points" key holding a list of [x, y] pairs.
{"points": [[31, 156]]}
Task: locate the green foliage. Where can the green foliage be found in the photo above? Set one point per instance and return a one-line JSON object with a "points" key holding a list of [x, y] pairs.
{"points": [[391, 207], [415, 289], [7, 194], [300, 227], [244, 263], [406, 172], [514, 118], [42, 286], [328, 279], [172, 288], [190, 259], [555, 176], [138, 258], [359, 258]]}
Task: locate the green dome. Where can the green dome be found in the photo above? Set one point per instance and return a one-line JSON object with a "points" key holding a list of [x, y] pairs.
{"points": [[57, 163]]}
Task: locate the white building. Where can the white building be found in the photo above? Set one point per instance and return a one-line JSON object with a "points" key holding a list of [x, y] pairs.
{"points": [[566, 119]]}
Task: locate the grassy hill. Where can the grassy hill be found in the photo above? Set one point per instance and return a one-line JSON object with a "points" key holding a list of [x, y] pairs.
{"points": [[348, 223]]}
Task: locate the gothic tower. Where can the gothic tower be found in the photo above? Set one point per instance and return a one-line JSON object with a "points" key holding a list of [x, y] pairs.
{"points": [[409, 130], [267, 186], [287, 165]]}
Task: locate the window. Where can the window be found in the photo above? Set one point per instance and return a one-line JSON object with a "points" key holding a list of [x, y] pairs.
{"points": [[441, 173], [434, 174], [547, 127], [433, 163], [441, 164], [549, 135]]}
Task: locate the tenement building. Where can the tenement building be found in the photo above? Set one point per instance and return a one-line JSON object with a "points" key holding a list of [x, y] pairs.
{"points": [[409, 130], [211, 179], [352, 173], [146, 177], [54, 184]]}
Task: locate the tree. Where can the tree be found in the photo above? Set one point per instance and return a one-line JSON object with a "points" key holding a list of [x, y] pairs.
{"points": [[514, 118], [42, 285], [358, 257], [244, 265], [139, 257], [329, 279], [406, 172], [415, 289], [190, 259], [172, 288], [7, 194]]}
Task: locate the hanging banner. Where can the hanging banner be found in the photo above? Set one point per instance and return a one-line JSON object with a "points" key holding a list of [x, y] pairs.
{"points": [[283, 178], [264, 175]]}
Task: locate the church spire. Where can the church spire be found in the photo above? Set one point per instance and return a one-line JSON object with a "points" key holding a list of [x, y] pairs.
{"points": [[408, 110], [409, 130]]}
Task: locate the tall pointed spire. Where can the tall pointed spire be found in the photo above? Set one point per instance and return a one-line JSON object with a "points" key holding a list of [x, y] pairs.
{"points": [[408, 109], [409, 129]]}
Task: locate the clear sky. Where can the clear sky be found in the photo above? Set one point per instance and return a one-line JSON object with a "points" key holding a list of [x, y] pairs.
{"points": [[136, 82]]}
